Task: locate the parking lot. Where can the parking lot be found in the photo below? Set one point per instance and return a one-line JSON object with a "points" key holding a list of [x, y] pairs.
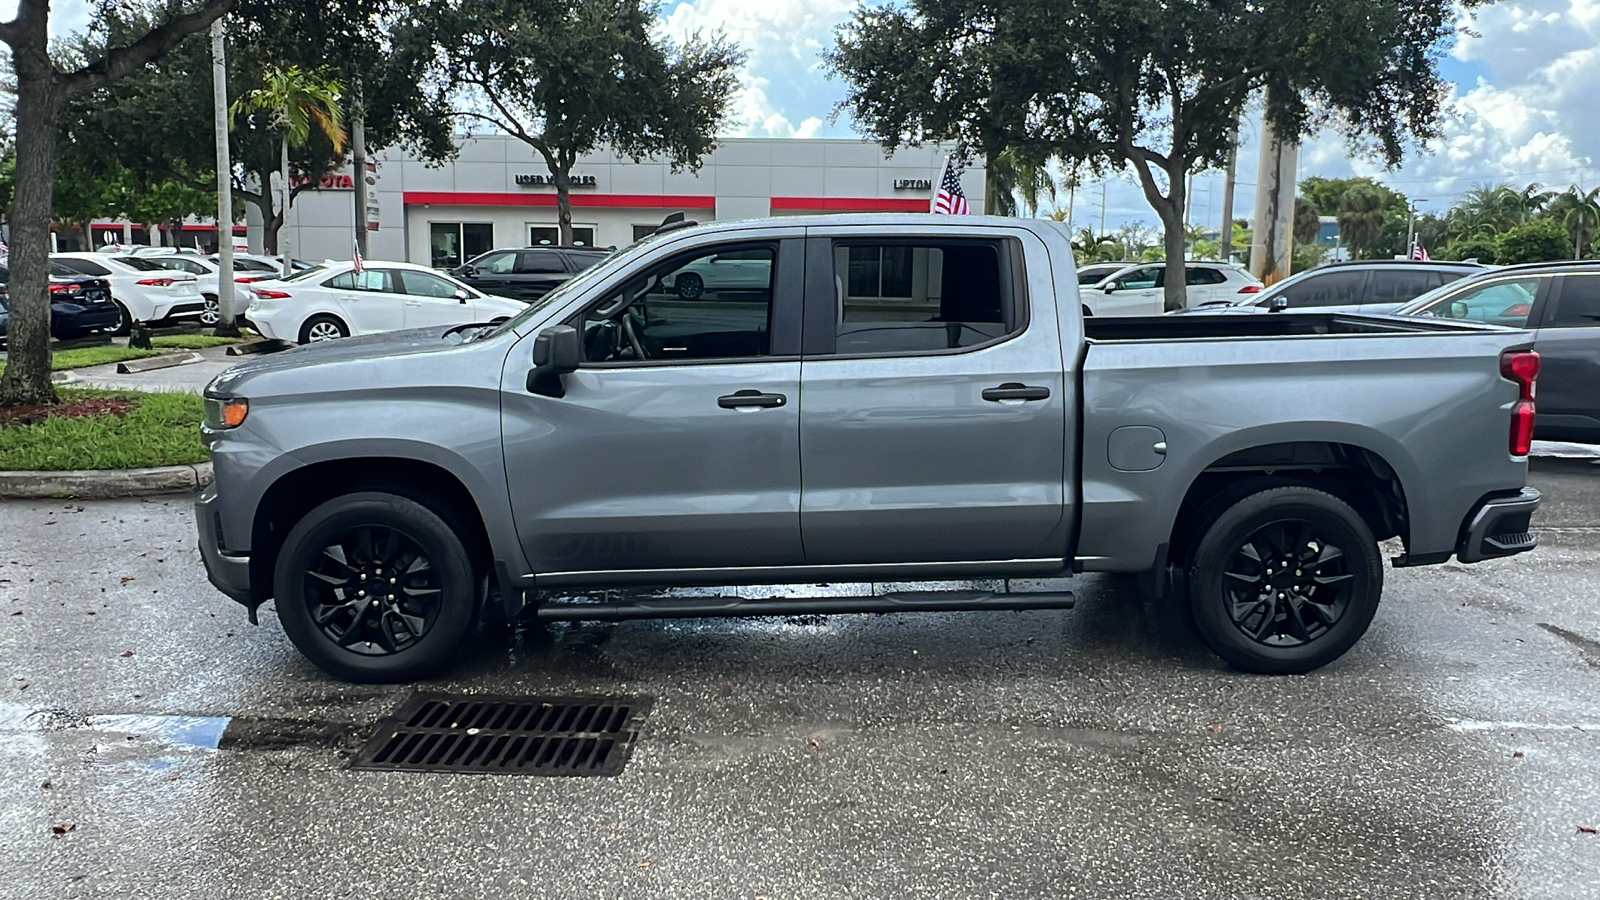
{"points": [[1099, 752]]}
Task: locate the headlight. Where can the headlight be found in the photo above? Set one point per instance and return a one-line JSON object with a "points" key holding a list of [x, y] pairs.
{"points": [[226, 412]]}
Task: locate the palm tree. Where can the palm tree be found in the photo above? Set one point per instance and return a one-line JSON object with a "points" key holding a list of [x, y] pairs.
{"points": [[1489, 209], [298, 101], [1362, 215], [1011, 176], [1580, 213]]}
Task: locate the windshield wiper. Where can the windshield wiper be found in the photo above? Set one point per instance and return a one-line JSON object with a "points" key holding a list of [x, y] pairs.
{"points": [[471, 325]]}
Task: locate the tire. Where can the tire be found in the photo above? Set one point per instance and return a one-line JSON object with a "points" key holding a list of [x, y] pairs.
{"points": [[212, 313], [689, 286], [1253, 613], [1087, 312], [323, 328], [325, 557], [124, 320]]}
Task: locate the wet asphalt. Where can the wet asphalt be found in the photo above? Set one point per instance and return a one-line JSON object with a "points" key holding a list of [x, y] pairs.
{"points": [[1098, 752]]}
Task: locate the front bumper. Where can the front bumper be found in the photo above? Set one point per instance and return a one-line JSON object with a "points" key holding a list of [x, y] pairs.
{"points": [[1499, 527], [229, 572]]}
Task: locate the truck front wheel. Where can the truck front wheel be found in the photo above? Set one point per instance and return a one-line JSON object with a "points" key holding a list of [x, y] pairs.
{"points": [[375, 587], [1285, 580]]}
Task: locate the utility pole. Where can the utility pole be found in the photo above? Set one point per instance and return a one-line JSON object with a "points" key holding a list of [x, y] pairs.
{"points": [[226, 291], [1225, 250], [1411, 227], [1273, 234], [358, 162], [1102, 207]]}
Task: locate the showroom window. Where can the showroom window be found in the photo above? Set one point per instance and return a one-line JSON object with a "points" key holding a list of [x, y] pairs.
{"points": [[452, 243], [550, 235]]}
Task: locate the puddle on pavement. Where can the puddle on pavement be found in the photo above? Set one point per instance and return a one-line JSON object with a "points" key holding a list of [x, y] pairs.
{"points": [[203, 732]]}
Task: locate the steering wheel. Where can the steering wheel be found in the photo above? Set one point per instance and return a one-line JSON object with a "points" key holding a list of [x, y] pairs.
{"points": [[632, 335]]}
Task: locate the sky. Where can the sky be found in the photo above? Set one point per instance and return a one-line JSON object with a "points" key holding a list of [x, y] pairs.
{"points": [[1525, 102]]}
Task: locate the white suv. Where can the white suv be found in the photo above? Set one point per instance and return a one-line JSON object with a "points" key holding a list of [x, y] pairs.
{"points": [[146, 292], [1139, 290]]}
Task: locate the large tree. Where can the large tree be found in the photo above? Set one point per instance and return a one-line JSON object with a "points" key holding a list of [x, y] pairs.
{"points": [[1152, 85], [568, 76], [43, 83]]}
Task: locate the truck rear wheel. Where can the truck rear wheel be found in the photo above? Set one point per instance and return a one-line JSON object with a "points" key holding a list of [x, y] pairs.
{"points": [[375, 587], [1285, 580]]}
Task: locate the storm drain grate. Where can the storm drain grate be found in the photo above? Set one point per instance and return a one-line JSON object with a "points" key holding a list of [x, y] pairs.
{"points": [[506, 735]]}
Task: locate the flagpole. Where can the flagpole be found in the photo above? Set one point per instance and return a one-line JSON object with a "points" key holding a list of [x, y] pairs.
{"points": [[938, 181]]}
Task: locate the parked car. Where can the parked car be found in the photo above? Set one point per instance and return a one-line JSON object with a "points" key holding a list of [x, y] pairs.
{"points": [[1091, 275], [143, 290], [384, 492], [79, 304], [1140, 290], [209, 275], [526, 273], [1560, 302], [1368, 286], [335, 301], [733, 270]]}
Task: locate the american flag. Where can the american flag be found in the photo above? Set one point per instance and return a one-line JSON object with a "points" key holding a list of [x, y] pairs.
{"points": [[950, 199], [1420, 252], [355, 254]]}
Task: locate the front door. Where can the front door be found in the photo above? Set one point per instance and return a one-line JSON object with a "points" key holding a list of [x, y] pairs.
{"points": [[677, 443], [933, 410], [431, 300]]}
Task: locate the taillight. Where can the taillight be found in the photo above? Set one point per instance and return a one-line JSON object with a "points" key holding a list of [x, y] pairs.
{"points": [[247, 279], [270, 294], [1520, 309], [1522, 367], [1250, 289], [157, 282], [64, 288]]}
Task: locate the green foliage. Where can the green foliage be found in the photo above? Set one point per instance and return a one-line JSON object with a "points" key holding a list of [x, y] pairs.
{"points": [[1012, 178], [1306, 256], [1307, 221], [1363, 212], [1540, 240], [162, 430], [1482, 249], [1579, 213]]}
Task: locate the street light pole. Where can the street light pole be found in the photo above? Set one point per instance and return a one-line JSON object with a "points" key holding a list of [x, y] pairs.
{"points": [[1411, 228], [226, 292]]}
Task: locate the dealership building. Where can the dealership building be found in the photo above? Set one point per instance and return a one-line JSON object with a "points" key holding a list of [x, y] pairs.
{"points": [[497, 193]]}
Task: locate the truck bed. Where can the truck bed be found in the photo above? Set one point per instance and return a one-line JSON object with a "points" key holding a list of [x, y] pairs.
{"points": [[1168, 328]]}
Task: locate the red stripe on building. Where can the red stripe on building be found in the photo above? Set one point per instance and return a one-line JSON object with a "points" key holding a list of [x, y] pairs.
{"points": [[852, 204], [490, 198]]}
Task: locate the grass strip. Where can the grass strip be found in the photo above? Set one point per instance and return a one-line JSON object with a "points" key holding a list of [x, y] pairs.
{"points": [[162, 430]]}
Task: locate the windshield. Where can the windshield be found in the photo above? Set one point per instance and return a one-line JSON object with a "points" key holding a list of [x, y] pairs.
{"points": [[600, 269]]}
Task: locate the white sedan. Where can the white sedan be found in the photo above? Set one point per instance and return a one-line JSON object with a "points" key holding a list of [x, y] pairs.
{"points": [[146, 292], [334, 301], [209, 275]]}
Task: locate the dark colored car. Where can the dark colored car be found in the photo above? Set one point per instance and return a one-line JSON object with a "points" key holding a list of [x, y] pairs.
{"points": [[527, 273], [1365, 286], [1560, 302], [79, 304]]}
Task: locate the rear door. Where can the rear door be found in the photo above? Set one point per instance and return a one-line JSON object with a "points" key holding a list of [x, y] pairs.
{"points": [[1204, 284], [676, 444], [538, 272], [933, 408], [370, 299], [1569, 350]]}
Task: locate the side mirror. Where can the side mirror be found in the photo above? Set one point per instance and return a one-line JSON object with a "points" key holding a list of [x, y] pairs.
{"points": [[1111, 288], [463, 295], [1279, 303], [1458, 309], [556, 351], [469, 271]]}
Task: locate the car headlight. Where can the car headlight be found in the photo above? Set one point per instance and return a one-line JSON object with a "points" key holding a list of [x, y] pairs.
{"points": [[226, 412]]}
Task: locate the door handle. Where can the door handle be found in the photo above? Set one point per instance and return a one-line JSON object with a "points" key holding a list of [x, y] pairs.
{"points": [[748, 399], [1012, 390]]}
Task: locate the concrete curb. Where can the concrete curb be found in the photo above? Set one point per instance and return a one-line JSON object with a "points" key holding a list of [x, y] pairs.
{"points": [[102, 484]]}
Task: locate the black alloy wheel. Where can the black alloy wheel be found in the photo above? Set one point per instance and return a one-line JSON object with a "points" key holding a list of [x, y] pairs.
{"points": [[376, 586], [1287, 585], [373, 591], [689, 286], [1285, 580]]}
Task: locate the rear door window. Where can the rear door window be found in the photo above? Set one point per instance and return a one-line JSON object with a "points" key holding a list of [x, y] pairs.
{"points": [[1330, 289], [84, 267], [1579, 305], [540, 262], [1204, 275], [1395, 286], [907, 298]]}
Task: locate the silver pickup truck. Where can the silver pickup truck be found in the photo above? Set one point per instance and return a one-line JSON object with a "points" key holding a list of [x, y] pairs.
{"points": [[900, 399]]}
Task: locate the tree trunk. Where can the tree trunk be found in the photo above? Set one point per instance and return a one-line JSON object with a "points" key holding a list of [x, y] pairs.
{"points": [[38, 100], [227, 296], [563, 179], [358, 162], [1169, 207]]}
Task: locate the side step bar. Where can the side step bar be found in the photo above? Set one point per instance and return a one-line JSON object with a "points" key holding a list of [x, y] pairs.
{"points": [[698, 607]]}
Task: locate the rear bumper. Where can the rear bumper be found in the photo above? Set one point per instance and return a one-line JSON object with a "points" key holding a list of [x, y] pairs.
{"points": [[1500, 526], [228, 572]]}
